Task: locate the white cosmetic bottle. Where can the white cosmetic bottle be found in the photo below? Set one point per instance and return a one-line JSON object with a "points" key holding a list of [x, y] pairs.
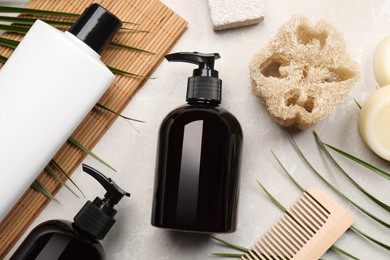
{"points": [[47, 87]]}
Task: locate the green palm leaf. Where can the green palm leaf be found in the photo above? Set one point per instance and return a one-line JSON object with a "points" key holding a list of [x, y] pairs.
{"points": [[31, 21], [118, 114], [3, 59], [86, 150], [9, 43], [122, 72], [21, 10], [229, 255], [231, 245], [24, 30], [343, 196], [360, 161], [357, 103], [370, 238], [13, 44], [38, 186], [299, 151], [55, 175], [341, 170], [13, 29], [67, 176], [121, 45]]}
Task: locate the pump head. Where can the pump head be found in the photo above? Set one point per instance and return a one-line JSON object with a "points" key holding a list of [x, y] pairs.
{"points": [[204, 85], [96, 218]]}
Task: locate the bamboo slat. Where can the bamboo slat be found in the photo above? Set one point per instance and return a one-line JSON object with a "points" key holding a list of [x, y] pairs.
{"points": [[164, 29]]}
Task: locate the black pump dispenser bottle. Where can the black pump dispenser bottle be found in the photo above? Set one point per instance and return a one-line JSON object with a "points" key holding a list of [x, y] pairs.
{"points": [[63, 240], [198, 158]]}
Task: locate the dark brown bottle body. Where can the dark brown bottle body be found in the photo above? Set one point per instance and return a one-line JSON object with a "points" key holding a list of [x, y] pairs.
{"points": [[58, 239], [197, 170]]}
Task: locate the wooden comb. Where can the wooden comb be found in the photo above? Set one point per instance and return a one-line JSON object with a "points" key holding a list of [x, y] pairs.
{"points": [[306, 231]]}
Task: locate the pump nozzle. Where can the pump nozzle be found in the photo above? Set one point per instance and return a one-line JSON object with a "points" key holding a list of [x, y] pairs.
{"points": [[204, 85], [114, 192], [96, 218], [205, 61]]}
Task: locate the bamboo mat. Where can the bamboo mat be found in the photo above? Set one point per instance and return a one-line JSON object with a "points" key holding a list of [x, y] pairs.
{"points": [[165, 27]]}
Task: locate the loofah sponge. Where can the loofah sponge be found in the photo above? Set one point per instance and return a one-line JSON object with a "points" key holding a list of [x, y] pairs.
{"points": [[303, 73]]}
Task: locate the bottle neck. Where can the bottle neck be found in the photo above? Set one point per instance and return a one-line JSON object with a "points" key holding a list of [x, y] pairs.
{"points": [[88, 50], [83, 234], [203, 102]]}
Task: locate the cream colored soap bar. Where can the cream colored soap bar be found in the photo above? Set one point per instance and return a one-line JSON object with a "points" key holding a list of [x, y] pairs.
{"points": [[374, 122], [382, 62]]}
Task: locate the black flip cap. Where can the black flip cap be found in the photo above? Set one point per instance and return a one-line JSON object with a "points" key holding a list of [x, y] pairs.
{"points": [[96, 27]]}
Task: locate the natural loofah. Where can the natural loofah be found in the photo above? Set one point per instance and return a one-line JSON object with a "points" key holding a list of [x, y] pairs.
{"points": [[303, 73]]}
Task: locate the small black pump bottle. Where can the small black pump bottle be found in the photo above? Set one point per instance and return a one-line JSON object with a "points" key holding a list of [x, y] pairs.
{"points": [[198, 157], [64, 240]]}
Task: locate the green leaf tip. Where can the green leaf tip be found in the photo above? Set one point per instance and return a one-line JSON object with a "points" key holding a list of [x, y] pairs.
{"points": [[55, 176], [121, 45], [228, 255], [86, 150], [118, 114], [273, 199], [126, 73], [67, 176], [360, 161], [39, 187], [3, 59], [357, 103], [231, 245], [287, 173]]}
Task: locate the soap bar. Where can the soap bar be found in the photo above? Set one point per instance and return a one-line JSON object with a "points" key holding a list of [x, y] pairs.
{"points": [[227, 14], [382, 62], [374, 122]]}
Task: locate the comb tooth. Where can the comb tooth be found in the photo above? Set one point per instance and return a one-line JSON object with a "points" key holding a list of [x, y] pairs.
{"points": [[256, 251], [288, 235], [318, 216], [304, 231], [271, 248], [313, 214], [251, 256], [283, 241], [297, 230], [301, 220], [265, 248], [268, 239], [279, 244], [317, 205], [309, 217]]}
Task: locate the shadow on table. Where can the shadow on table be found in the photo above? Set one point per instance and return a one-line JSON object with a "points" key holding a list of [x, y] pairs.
{"points": [[189, 240]]}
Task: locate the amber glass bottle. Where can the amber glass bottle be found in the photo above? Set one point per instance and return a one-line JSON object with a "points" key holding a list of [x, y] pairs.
{"points": [[65, 240], [198, 159]]}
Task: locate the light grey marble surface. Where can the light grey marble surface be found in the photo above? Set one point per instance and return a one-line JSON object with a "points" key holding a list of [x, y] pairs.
{"points": [[363, 23]]}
